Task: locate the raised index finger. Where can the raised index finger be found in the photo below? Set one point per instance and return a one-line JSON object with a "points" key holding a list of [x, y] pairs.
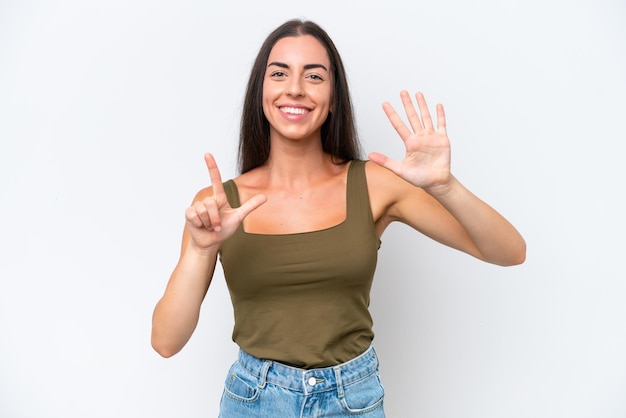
{"points": [[396, 121], [214, 173]]}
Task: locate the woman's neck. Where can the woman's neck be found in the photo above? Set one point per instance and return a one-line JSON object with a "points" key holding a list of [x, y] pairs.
{"points": [[291, 168]]}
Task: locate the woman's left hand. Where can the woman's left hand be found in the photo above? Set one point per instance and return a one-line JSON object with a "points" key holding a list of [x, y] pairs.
{"points": [[427, 160]]}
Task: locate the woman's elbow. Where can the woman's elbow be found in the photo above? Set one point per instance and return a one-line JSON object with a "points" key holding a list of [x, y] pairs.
{"points": [[164, 349], [516, 256], [521, 257], [510, 254]]}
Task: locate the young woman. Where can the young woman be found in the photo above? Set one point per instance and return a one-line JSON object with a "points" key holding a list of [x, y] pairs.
{"points": [[298, 231]]}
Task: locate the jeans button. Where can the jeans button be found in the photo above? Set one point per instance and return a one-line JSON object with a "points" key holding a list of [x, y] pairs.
{"points": [[312, 381]]}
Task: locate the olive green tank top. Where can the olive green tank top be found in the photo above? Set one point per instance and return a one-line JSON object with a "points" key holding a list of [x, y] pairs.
{"points": [[303, 298]]}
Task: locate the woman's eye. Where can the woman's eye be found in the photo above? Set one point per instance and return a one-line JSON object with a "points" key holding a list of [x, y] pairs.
{"points": [[316, 77], [278, 74]]}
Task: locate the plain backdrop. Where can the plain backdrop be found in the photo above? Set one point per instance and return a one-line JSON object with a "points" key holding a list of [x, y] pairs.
{"points": [[107, 107]]}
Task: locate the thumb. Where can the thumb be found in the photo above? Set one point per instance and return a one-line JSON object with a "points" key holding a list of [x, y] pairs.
{"points": [[385, 161], [250, 205]]}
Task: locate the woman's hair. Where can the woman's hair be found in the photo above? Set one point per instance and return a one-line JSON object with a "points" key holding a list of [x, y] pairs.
{"points": [[339, 137]]}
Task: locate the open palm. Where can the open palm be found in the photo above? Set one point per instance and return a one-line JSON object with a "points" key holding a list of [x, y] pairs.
{"points": [[427, 160]]}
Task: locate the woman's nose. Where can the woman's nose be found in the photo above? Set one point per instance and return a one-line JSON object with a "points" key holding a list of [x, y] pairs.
{"points": [[295, 87]]}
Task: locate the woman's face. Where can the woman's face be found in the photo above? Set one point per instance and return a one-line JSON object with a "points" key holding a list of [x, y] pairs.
{"points": [[297, 88]]}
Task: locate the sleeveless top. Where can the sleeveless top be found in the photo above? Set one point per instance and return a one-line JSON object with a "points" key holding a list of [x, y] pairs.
{"points": [[302, 299]]}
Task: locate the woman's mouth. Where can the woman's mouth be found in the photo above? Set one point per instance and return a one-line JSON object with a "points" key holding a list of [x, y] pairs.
{"points": [[294, 110]]}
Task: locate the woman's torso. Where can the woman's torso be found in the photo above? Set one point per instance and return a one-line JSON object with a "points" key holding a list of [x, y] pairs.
{"points": [[302, 297]]}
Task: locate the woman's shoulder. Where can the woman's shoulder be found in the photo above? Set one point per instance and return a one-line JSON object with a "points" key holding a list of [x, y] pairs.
{"points": [[208, 191], [203, 194], [379, 176], [387, 191], [250, 179]]}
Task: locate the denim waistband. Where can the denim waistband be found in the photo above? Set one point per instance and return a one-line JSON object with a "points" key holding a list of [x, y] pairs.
{"points": [[311, 380]]}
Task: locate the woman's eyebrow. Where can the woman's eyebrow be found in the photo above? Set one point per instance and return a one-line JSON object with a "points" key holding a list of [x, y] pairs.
{"points": [[306, 67]]}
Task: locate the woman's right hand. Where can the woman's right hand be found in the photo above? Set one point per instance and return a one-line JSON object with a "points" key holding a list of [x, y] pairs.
{"points": [[210, 221]]}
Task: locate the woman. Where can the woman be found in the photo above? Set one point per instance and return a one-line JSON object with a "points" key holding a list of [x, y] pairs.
{"points": [[298, 231]]}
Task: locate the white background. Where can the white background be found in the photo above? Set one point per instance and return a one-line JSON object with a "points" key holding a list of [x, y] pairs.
{"points": [[106, 108]]}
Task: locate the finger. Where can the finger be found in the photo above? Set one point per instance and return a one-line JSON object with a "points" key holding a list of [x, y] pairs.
{"points": [[441, 119], [385, 161], [214, 174], [426, 119], [191, 215], [212, 221], [250, 205], [198, 215], [411, 113], [396, 121]]}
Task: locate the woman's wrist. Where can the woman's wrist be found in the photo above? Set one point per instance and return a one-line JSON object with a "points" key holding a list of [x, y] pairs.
{"points": [[441, 191]]}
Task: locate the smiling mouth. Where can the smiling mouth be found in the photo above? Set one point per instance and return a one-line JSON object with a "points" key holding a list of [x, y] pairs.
{"points": [[294, 110]]}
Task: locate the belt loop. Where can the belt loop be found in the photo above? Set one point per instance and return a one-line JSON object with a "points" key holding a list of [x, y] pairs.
{"points": [[337, 371], [263, 378]]}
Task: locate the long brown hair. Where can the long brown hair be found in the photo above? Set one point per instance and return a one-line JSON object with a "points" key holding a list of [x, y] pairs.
{"points": [[339, 136]]}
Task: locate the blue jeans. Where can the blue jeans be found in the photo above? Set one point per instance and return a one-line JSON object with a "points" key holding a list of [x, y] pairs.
{"points": [[267, 389]]}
